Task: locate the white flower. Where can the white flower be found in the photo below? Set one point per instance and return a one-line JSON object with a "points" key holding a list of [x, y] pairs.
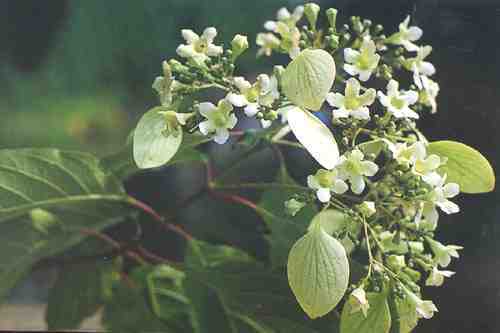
{"points": [[441, 193], [429, 92], [436, 278], [362, 62], [284, 16], [354, 168], [426, 169], [443, 253], [199, 48], [325, 182], [359, 301], [219, 119], [407, 155], [263, 92], [406, 35], [352, 103], [397, 102], [419, 66], [267, 42], [424, 309]]}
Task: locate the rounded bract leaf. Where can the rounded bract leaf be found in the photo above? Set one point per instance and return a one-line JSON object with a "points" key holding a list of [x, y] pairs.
{"points": [[314, 136], [308, 78], [151, 147], [318, 272], [465, 166]]}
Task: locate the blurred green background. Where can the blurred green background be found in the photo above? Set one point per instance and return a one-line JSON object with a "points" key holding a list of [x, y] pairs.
{"points": [[78, 74]]}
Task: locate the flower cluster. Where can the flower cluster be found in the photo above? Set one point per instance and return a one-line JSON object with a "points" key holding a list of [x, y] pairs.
{"points": [[375, 167]]}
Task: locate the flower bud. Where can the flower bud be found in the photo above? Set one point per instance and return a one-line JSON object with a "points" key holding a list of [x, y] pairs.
{"points": [[396, 262], [367, 208], [293, 206], [331, 14], [312, 10], [238, 45]]}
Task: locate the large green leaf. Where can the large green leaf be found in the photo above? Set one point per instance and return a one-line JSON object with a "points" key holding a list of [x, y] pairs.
{"points": [[318, 272], [465, 166], [128, 310], [78, 293], [230, 286], [49, 200], [308, 78], [377, 320], [285, 229]]}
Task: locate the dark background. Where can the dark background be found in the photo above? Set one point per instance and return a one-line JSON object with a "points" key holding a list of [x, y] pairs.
{"points": [[77, 74]]}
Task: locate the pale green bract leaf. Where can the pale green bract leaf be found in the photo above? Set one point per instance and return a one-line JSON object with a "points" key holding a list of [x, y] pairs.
{"points": [[372, 147], [308, 78], [377, 320], [314, 136], [152, 148], [465, 166], [318, 272], [333, 221]]}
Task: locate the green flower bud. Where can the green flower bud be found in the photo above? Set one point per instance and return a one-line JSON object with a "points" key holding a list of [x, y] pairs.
{"points": [[331, 14], [395, 262], [293, 206], [238, 45], [311, 10], [413, 274], [416, 247], [367, 208]]}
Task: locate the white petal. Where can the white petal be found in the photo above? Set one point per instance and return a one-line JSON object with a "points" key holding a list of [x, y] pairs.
{"points": [[451, 189], [384, 99], [265, 123], [312, 182], [350, 55], [237, 100], [241, 83], [339, 186], [189, 35], [232, 121], [409, 113], [393, 88], [365, 75], [448, 207], [214, 50], [340, 113], [335, 99], [294, 52], [433, 162], [369, 168], [410, 97], [186, 51], [209, 34], [357, 184], [206, 108], [283, 14], [427, 68], [251, 109], [221, 135], [432, 178], [350, 69], [270, 25], [361, 113], [205, 127], [409, 46], [323, 194], [314, 136], [414, 34]]}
